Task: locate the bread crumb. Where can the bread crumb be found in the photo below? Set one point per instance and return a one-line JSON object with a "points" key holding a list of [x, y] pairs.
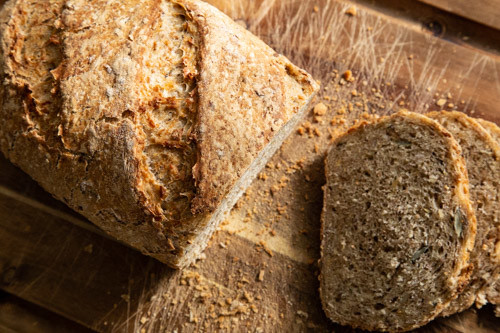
{"points": [[265, 248], [320, 109], [441, 102], [316, 9], [347, 75], [144, 320], [302, 314], [351, 11], [261, 275], [89, 248]]}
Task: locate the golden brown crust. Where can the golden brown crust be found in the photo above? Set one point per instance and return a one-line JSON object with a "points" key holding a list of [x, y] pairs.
{"points": [[491, 127], [247, 92], [93, 128]]}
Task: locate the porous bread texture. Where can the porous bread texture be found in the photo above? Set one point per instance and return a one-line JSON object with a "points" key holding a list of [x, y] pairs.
{"points": [[482, 157], [397, 224], [147, 117]]}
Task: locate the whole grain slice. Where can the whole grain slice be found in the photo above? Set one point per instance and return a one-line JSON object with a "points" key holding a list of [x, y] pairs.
{"points": [[482, 156], [149, 118], [397, 224], [493, 292]]}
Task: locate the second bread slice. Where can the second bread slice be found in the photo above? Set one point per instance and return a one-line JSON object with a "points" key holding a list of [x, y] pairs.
{"points": [[482, 156], [397, 224]]}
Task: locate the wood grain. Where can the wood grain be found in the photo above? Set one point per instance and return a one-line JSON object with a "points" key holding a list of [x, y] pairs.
{"points": [[17, 315], [260, 271], [483, 11], [443, 24]]}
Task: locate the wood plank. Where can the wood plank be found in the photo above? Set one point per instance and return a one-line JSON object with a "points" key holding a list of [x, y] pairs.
{"points": [[483, 11], [445, 25], [260, 270], [17, 315]]}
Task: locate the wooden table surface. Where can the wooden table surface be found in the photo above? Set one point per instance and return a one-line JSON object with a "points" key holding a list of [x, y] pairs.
{"points": [[58, 273]]}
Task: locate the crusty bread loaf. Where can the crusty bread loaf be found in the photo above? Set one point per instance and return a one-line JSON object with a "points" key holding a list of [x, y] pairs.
{"points": [[148, 117], [397, 224], [482, 156]]}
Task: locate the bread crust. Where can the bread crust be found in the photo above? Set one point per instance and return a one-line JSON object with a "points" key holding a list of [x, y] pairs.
{"points": [[222, 100], [459, 276], [493, 292], [83, 128]]}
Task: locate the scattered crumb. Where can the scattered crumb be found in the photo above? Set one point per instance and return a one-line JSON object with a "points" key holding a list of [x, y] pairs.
{"points": [[347, 75], [441, 102], [316, 9], [302, 314], [265, 248], [351, 11], [261, 275], [320, 109], [89, 248]]}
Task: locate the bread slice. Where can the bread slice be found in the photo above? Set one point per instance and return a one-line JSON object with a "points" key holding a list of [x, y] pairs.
{"points": [[149, 118], [493, 292], [397, 224], [482, 156]]}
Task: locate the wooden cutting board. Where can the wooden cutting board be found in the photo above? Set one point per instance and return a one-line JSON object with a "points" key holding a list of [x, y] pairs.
{"points": [[259, 272]]}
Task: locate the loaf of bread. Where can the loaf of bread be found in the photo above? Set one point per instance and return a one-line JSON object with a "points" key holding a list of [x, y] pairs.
{"points": [[147, 117], [482, 157], [397, 224]]}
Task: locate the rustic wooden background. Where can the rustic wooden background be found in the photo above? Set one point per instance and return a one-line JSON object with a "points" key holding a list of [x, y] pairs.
{"points": [[58, 273]]}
